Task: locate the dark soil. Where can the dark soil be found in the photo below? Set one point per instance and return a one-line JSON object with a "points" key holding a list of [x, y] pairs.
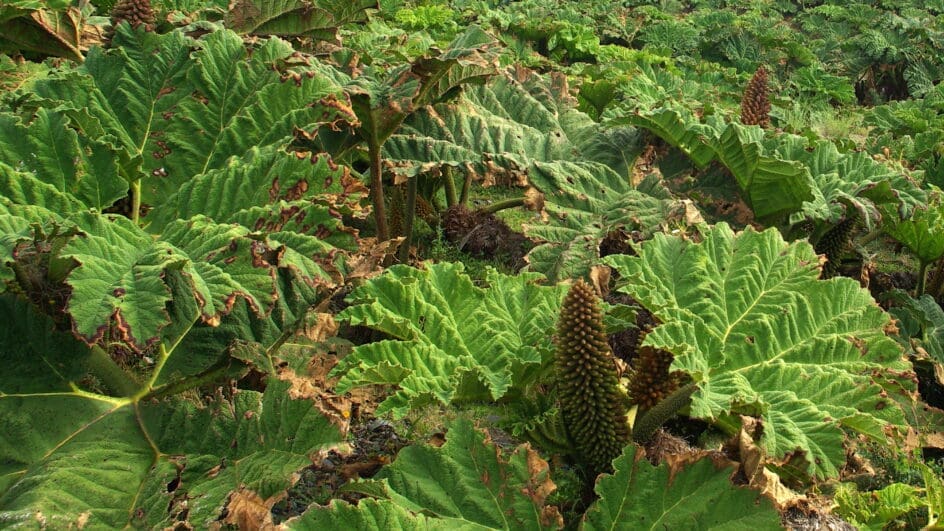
{"points": [[624, 344], [375, 443], [484, 235]]}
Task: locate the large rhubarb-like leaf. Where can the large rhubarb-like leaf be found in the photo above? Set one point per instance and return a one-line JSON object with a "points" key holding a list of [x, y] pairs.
{"points": [[47, 28], [319, 19], [923, 232], [784, 175], [70, 455], [853, 179], [368, 514], [586, 206], [53, 153], [465, 484], [746, 317], [503, 127], [384, 98], [119, 279], [451, 341], [240, 100], [259, 177], [680, 129], [527, 130], [174, 113], [124, 96], [769, 185], [682, 495]]}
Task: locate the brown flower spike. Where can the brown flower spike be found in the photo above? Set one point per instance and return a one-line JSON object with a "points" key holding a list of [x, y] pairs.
{"points": [[137, 13], [593, 408], [652, 382], [755, 105]]}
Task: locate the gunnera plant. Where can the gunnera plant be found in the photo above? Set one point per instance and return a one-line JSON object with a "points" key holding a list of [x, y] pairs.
{"points": [[755, 105], [652, 382], [592, 405], [834, 243], [136, 13]]}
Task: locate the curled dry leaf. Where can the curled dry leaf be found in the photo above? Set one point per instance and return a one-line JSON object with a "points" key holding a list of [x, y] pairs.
{"points": [[758, 476], [247, 510]]}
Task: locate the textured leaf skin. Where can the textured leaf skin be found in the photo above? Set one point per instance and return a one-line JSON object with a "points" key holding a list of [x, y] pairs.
{"points": [[259, 177], [586, 203], [923, 233], [854, 179], [530, 131], [697, 496], [122, 96], [55, 31], [370, 514], [784, 175], [174, 108], [240, 101], [55, 154], [119, 275], [468, 479], [71, 455], [319, 19], [468, 483], [772, 186], [746, 317], [452, 341]]}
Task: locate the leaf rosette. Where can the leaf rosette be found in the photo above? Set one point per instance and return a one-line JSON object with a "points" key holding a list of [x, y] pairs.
{"points": [[449, 340], [746, 316]]}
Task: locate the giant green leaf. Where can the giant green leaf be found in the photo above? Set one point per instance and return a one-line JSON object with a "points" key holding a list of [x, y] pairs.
{"points": [[239, 99], [120, 275], [923, 232], [503, 127], [173, 113], [853, 179], [383, 98], [450, 340], [71, 455], [465, 484], [771, 187], [531, 132], [124, 96], [370, 514], [319, 19], [696, 495], [55, 154], [747, 319], [680, 129], [257, 178], [586, 206], [46, 28]]}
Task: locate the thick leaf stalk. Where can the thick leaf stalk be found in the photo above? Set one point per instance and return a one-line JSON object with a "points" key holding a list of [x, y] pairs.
{"points": [[408, 218], [376, 191], [593, 407], [650, 421], [755, 105]]}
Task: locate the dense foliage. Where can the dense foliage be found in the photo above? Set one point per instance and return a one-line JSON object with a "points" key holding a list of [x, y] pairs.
{"points": [[617, 264]]}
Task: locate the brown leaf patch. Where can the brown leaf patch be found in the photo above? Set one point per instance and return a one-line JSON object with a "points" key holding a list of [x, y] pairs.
{"points": [[368, 260], [247, 510], [758, 476]]}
